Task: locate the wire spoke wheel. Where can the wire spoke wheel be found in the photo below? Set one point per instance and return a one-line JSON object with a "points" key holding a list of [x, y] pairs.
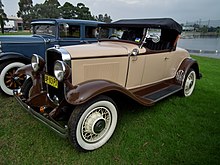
{"points": [[14, 82], [92, 124], [9, 82], [96, 124]]}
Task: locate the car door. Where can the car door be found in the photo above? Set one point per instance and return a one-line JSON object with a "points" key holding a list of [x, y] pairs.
{"points": [[154, 68], [145, 69]]}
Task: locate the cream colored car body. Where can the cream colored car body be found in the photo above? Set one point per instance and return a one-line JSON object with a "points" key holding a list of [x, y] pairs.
{"points": [[98, 61]]}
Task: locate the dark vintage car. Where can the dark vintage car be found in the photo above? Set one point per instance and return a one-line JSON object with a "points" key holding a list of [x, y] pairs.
{"points": [[16, 51], [76, 89]]}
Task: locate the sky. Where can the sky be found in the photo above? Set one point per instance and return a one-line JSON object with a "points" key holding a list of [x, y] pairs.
{"points": [[180, 10]]}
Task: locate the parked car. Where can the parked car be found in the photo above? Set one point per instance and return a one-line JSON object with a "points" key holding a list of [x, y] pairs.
{"points": [[76, 89], [16, 51]]}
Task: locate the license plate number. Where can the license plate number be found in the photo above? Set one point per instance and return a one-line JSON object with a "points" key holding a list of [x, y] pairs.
{"points": [[50, 80]]}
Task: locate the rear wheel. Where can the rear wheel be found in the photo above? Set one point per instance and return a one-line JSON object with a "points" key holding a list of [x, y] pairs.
{"points": [[7, 80], [189, 83], [92, 124]]}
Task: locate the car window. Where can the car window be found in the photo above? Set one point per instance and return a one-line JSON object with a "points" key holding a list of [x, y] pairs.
{"points": [[91, 32], [44, 29], [122, 33], [69, 31]]}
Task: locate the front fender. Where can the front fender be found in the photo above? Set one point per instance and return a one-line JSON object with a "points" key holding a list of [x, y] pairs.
{"points": [[14, 56], [85, 91], [35, 76], [26, 69]]}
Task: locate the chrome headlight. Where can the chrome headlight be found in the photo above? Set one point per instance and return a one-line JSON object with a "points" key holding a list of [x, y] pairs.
{"points": [[37, 62], [61, 70]]}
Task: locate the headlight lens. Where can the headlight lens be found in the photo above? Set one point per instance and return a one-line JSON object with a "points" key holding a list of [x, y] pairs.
{"points": [[59, 70], [37, 62]]}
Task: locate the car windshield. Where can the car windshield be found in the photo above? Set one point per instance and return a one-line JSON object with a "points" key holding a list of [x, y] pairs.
{"points": [[122, 33], [44, 29]]}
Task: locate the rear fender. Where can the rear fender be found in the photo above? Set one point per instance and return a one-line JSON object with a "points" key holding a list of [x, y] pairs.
{"points": [[184, 67]]}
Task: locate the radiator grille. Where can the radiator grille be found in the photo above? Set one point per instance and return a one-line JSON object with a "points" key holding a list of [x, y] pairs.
{"points": [[51, 57]]}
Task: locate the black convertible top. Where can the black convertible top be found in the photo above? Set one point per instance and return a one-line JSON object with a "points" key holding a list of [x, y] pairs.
{"points": [[166, 23]]}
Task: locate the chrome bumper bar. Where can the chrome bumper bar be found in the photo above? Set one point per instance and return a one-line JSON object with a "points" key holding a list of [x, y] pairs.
{"points": [[55, 126]]}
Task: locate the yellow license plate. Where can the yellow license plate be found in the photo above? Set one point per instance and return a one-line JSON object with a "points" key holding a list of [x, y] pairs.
{"points": [[50, 80]]}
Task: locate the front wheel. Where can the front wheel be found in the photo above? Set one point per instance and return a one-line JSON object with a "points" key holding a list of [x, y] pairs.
{"points": [[92, 124], [189, 83], [7, 80]]}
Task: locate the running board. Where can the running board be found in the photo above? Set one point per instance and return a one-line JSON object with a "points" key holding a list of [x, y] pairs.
{"points": [[164, 92]]}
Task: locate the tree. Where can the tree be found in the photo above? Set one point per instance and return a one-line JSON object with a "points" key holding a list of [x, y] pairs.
{"points": [[49, 9], [68, 11], [25, 9], [37, 11], [3, 17], [104, 18], [82, 12], [53, 7]]}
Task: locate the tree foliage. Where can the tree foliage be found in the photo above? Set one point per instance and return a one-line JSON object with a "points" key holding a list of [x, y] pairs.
{"points": [[68, 11], [3, 16], [25, 10], [82, 12], [53, 9], [104, 18]]}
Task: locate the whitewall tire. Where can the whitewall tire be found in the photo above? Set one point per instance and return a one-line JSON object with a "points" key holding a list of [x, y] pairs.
{"points": [[7, 81], [92, 124], [189, 83]]}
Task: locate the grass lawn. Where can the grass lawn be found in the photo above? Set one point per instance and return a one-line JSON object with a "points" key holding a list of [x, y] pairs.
{"points": [[174, 131]]}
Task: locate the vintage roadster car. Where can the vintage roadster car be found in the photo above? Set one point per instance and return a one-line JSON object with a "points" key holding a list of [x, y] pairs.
{"points": [[16, 51], [75, 89]]}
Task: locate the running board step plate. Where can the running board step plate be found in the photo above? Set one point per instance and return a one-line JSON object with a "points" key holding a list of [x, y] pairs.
{"points": [[159, 95]]}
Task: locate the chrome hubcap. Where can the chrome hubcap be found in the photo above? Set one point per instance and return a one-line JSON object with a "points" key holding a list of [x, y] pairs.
{"points": [[190, 82], [96, 124]]}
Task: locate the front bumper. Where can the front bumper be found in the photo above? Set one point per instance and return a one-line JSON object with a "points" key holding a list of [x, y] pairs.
{"points": [[46, 119]]}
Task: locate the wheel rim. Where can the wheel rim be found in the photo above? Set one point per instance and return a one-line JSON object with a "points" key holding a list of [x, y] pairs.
{"points": [[96, 124], [12, 82], [190, 83]]}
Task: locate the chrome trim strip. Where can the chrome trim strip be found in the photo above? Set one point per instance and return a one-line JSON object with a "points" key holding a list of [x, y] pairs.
{"points": [[65, 55]]}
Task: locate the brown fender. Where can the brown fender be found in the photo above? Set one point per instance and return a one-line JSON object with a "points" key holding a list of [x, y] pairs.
{"points": [[26, 69], [85, 91], [35, 76], [185, 66]]}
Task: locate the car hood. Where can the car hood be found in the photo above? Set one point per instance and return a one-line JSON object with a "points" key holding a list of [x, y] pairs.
{"points": [[7, 39], [102, 49]]}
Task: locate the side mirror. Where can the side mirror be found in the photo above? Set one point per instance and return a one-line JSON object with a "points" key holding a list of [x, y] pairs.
{"points": [[154, 34], [155, 38]]}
